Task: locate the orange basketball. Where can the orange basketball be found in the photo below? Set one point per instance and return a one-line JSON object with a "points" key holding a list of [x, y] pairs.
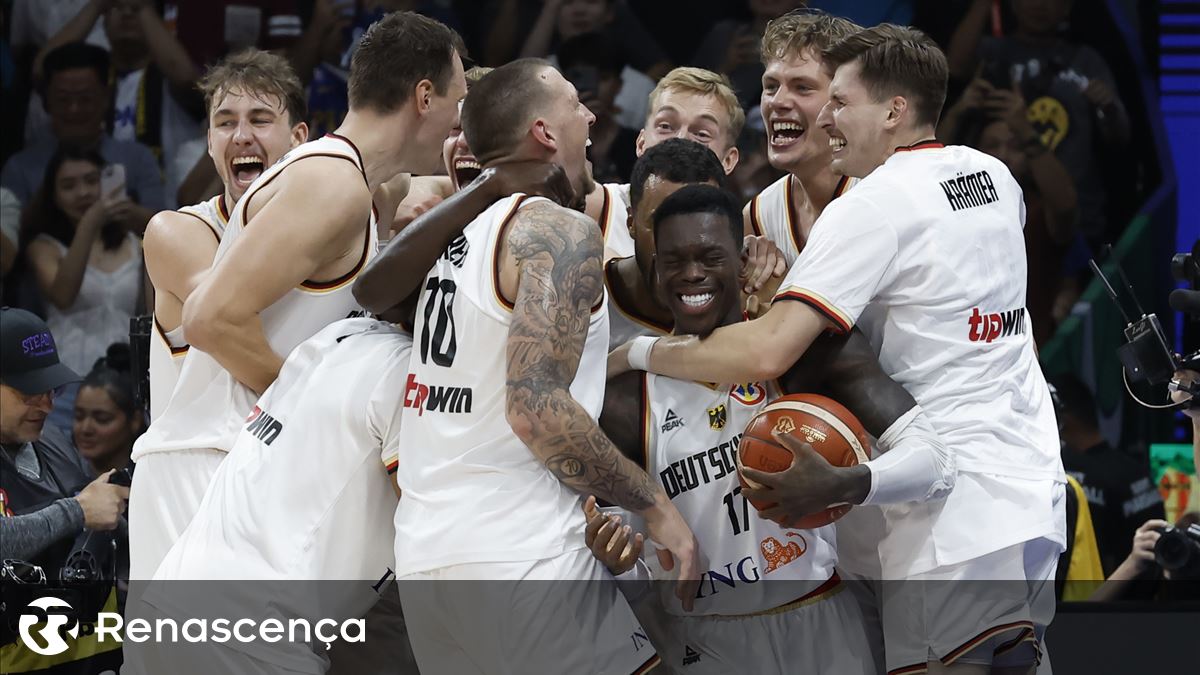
{"points": [[823, 423]]}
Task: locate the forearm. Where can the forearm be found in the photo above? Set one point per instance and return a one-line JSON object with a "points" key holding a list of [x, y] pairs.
{"points": [[24, 537], [724, 357], [398, 270], [568, 441], [69, 277], [75, 30], [538, 43], [965, 41], [239, 345], [170, 56], [915, 464], [1057, 188], [202, 182]]}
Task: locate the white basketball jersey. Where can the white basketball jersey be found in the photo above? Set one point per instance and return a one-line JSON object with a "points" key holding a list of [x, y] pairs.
{"points": [[625, 323], [208, 405], [692, 433], [773, 213], [614, 221], [167, 347], [473, 491]]}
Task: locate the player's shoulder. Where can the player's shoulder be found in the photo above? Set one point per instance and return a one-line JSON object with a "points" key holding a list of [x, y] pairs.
{"points": [[539, 213], [175, 228]]}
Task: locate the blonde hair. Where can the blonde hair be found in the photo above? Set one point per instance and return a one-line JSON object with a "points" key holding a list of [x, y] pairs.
{"points": [[792, 33], [255, 73], [706, 83]]}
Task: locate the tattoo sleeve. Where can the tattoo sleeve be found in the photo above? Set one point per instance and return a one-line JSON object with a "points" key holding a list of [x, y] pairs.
{"points": [[558, 257]]}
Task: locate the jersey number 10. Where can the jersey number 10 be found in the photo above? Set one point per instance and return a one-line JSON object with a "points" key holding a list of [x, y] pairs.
{"points": [[440, 299]]}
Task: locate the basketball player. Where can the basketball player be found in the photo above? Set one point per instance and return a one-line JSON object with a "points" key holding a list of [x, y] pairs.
{"points": [[334, 409], [293, 245], [927, 254], [513, 447], [795, 88], [688, 103], [256, 111], [688, 434]]}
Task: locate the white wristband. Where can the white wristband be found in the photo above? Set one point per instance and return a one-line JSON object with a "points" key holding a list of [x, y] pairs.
{"points": [[639, 352]]}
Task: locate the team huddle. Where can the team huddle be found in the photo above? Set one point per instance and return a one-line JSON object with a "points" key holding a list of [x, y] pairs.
{"points": [[544, 379]]}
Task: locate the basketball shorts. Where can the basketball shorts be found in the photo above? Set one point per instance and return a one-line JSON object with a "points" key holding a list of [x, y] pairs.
{"points": [[165, 495], [821, 633], [867, 592], [992, 610], [557, 615]]}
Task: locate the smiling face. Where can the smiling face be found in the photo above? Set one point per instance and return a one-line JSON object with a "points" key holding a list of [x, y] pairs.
{"points": [[795, 89], [101, 429], [76, 187], [248, 133], [656, 191], [697, 267], [855, 123], [694, 116]]}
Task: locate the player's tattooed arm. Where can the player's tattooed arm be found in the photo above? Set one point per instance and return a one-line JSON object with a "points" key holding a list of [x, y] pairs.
{"points": [[558, 255], [845, 367]]}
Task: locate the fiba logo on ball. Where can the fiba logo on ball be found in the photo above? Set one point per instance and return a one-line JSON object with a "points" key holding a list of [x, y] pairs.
{"points": [[53, 612]]}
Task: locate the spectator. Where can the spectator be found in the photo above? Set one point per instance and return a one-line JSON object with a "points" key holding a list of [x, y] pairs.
{"points": [[86, 263], [47, 498], [10, 231], [34, 22], [107, 420], [155, 101], [77, 96], [211, 29], [1139, 577], [732, 48], [1119, 489], [591, 64], [1071, 92], [995, 121], [561, 20]]}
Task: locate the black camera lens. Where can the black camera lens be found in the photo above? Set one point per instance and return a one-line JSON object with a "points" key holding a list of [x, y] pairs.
{"points": [[1178, 551]]}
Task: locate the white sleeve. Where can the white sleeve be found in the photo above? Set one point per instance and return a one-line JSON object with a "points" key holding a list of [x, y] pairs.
{"points": [[386, 407], [915, 464], [849, 256]]}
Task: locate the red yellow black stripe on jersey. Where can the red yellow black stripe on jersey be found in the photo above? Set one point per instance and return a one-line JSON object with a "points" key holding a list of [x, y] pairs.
{"points": [[842, 322]]}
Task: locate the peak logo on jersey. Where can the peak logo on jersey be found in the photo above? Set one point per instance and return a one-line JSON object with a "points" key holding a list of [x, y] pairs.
{"points": [[436, 399], [749, 394], [778, 554], [456, 252], [690, 655], [785, 425], [717, 417], [672, 421], [988, 327], [262, 426], [969, 191]]}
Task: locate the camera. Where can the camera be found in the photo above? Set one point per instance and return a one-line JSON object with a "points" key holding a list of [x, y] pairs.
{"points": [[140, 328], [1178, 552]]}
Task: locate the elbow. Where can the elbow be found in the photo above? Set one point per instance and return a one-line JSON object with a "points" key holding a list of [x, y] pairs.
{"points": [[520, 419], [366, 291], [203, 326]]}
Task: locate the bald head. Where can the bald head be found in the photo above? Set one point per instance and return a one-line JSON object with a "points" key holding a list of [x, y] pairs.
{"points": [[504, 104]]}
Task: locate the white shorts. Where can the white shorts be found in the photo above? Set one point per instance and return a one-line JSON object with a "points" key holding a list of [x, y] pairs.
{"points": [[558, 615], [821, 634], [165, 495], [992, 610], [868, 593]]}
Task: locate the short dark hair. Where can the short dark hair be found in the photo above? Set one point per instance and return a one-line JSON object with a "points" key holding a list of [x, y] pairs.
{"points": [[1076, 399], [396, 53], [253, 71], [76, 55], [679, 160], [897, 60], [702, 198], [501, 104], [590, 49]]}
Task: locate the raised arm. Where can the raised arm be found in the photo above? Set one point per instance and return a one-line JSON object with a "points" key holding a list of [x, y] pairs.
{"points": [[556, 255], [287, 241], [399, 269]]}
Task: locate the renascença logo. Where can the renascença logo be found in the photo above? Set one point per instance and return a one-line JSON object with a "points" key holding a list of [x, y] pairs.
{"points": [[52, 612], [56, 615]]}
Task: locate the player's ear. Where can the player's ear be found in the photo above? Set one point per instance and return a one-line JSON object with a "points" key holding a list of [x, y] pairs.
{"points": [[299, 134], [640, 146], [423, 96], [897, 107], [544, 135], [730, 160], [629, 224]]}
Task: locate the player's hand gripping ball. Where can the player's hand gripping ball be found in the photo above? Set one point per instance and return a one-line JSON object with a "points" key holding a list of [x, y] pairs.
{"points": [[832, 431]]}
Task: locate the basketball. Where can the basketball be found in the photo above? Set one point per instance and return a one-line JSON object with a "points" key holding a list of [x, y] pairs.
{"points": [[823, 423]]}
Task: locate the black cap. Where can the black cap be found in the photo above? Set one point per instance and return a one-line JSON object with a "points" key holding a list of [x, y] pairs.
{"points": [[28, 357]]}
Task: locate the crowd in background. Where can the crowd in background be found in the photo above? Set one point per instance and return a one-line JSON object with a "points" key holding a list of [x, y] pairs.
{"points": [[103, 127]]}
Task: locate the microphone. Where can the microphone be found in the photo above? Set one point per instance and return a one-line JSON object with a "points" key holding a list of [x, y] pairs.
{"points": [[1183, 300]]}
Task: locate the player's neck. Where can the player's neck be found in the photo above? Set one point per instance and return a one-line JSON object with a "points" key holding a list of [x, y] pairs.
{"points": [[630, 291], [382, 142], [814, 184]]}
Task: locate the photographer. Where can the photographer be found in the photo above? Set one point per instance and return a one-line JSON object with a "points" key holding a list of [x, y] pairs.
{"points": [[1141, 575], [47, 496]]}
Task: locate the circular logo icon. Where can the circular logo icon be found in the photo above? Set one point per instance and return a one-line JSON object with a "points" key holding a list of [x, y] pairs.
{"points": [[52, 615]]}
